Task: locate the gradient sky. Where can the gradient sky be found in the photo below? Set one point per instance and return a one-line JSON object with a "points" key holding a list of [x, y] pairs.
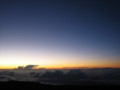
{"points": [[60, 33]]}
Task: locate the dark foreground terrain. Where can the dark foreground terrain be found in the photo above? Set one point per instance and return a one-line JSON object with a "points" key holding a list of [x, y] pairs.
{"points": [[13, 85]]}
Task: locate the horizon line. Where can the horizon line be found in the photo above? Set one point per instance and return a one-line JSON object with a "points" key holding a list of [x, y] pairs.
{"points": [[60, 68]]}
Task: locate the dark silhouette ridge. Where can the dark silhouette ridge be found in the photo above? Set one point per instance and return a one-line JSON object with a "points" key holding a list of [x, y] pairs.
{"points": [[36, 85]]}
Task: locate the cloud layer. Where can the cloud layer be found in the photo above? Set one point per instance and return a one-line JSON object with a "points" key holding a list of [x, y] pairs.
{"points": [[75, 76]]}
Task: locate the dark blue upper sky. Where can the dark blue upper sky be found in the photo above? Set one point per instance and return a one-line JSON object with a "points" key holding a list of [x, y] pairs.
{"points": [[91, 27]]}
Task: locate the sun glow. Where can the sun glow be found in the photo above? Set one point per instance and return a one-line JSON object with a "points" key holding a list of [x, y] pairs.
{"points": [[13, 60]]}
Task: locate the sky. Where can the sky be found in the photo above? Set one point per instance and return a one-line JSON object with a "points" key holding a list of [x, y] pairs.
{"points": [[59, 33]]}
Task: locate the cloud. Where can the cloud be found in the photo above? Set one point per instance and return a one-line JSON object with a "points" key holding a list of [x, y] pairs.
{"points": [[30, 66], [58, 76], [6, 76], [27, 67]]}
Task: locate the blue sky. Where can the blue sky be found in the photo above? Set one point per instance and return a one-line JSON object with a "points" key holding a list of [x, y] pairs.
{"points": [[66, 29]]}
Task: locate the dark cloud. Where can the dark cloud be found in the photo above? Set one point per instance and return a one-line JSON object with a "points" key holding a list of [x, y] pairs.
{"points": [[59, 77], [27, 67], [76, 74], [7, 73], [6, 76], [30, 66]]}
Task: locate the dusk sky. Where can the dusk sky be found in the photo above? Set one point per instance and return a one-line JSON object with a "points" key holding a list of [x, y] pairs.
{"points": [[60, 33]]}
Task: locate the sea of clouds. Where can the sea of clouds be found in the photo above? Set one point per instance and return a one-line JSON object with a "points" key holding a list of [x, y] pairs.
{"points": [[71, 76]]}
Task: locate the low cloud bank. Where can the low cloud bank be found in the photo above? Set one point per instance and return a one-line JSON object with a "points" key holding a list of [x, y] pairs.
{"points": [[6, 76], [58, 76]]}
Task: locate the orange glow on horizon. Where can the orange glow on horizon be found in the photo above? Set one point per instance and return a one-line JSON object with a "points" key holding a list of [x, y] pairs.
{"points": [[54, 63], [69, 67]]}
